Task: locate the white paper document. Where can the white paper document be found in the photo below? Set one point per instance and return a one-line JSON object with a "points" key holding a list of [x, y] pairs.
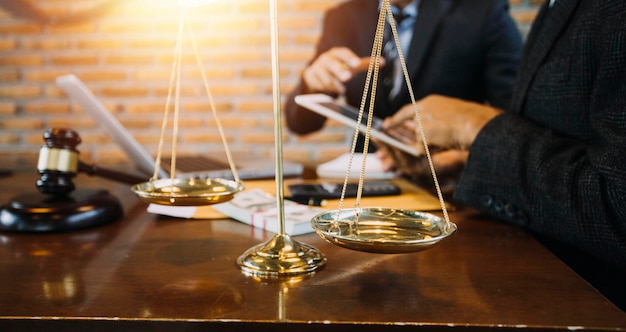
{"points": [[337, 168]]}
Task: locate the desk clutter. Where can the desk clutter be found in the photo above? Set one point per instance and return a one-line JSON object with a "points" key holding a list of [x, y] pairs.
{"points": [[378, 230], [254, 207]]}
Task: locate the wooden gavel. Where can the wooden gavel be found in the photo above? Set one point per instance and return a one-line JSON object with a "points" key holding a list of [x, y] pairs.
{"points": [[58, 164]]}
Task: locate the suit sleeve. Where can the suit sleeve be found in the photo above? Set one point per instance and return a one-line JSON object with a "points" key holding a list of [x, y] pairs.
{"points": [[299, 119], [553, 183]]}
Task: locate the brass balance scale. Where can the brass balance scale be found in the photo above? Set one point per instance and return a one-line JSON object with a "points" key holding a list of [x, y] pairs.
{"points": [[370, 229]]}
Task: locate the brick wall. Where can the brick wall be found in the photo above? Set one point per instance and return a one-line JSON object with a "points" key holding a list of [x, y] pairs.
{"points": [[124, 53]]}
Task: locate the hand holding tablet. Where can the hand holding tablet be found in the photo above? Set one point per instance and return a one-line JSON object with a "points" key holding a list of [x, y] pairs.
{"points": [[348, 115]]}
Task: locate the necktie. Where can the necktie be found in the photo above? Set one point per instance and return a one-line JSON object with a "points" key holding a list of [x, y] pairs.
{"points": [[391, 73]]}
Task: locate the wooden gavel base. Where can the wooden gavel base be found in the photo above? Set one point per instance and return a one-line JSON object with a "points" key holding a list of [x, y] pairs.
{"points": [[36, 212]]}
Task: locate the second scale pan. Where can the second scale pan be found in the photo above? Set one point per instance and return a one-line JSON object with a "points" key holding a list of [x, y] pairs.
{"points": [[382, 230], [377, 229]]}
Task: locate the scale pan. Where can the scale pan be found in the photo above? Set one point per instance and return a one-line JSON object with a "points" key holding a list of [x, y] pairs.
{"points": [[187, 192], [382, 230]]}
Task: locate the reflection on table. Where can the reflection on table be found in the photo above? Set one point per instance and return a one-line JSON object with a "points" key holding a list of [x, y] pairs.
{"points": [[149, 272]]}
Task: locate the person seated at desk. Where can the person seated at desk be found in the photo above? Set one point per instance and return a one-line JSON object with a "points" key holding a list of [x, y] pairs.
{"points": [[464, 49], [555, 161]]}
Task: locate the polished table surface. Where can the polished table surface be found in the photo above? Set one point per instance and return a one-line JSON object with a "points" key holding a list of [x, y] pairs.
{"points": [[160, 273]]}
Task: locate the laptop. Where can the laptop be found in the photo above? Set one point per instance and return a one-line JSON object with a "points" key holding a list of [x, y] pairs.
{"points": [[186, 165]]}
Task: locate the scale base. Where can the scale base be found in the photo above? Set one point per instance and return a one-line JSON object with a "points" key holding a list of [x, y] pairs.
{"points": [[281, 256], [36, 212]]}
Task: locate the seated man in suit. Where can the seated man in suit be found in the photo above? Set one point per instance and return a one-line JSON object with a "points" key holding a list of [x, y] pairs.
{"points": [[554, 162], [458, 48]]}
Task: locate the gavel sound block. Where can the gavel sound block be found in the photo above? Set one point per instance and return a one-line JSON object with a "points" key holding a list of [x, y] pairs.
{"points": [[59, 206]]}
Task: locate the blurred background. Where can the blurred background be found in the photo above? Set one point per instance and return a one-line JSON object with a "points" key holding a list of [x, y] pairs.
{"points": [[123, 51]]}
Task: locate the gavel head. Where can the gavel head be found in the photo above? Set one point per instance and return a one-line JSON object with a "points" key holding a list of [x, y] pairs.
{"points": [[58, 161]]}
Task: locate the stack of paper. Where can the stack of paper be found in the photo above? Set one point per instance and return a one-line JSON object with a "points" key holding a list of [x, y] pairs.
{"points": [[254, 207]]}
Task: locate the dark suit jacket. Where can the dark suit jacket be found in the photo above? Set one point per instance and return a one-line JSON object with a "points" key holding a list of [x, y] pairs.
{"points": [[468, 49], [556, 163]]}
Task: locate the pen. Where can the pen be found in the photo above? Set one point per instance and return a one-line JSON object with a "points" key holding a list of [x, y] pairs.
{"points": [[313, 201]]}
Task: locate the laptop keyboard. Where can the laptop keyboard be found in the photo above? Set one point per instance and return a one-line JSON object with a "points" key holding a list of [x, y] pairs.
{"points": [[195, 164]]}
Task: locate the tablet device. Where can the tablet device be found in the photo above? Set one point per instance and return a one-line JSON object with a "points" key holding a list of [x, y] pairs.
{"points": [[348, 115]]}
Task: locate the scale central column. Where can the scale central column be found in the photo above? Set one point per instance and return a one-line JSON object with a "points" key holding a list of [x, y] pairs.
{"points": [[281, 255]]}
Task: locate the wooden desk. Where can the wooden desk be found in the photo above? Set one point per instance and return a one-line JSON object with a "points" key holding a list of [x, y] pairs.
{"points": [[147, 272]]}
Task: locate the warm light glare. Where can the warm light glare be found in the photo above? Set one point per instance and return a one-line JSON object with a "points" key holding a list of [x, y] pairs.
{"points": [[194, 3]]}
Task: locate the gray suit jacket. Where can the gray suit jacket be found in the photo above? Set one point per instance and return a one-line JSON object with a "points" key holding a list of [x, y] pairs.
{"points": [[556, 162], [467, 49]]}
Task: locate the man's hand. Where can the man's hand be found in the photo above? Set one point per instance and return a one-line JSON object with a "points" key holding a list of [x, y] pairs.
{"points": [[328, 73], [448, 123], [450, 127], [448, 165]]}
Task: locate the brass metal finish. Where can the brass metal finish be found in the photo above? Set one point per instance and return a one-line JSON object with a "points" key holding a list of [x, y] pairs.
{"points": [[187, 192], [54, 159], [281, 256], [382, 230]]}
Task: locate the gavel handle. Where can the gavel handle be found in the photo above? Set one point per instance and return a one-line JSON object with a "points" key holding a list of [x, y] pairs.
{"points": [[110, 174]]}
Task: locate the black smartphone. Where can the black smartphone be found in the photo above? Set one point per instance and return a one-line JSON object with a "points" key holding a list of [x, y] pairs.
{"points": [[333, 190]]}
